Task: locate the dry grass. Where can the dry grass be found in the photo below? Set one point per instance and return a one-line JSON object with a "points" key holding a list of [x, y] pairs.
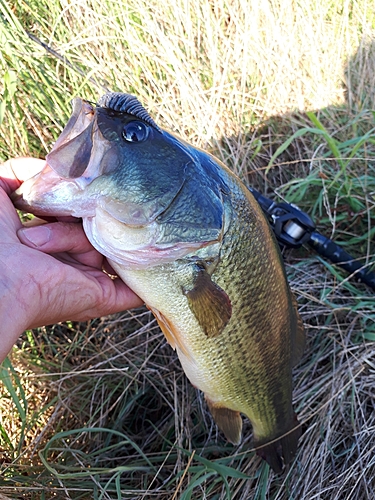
{"points": [[102, 410]]}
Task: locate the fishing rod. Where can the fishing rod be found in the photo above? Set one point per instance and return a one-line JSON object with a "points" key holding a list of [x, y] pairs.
{"points": [[294, 228], [65, 61]]}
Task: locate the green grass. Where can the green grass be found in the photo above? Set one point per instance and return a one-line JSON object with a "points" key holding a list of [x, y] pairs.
{"points": [[285, 97]]}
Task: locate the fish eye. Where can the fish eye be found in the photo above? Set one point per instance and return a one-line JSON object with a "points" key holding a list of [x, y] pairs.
{"points": [[135, 131]]}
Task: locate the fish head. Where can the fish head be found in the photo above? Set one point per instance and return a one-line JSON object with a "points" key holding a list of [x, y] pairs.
{"points": [[135, 185]]}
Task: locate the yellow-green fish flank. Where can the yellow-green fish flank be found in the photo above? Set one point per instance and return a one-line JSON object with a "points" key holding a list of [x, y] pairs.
{"points": [[188, 237]]}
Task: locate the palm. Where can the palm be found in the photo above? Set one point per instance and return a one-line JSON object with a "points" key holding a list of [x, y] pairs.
{"points": [[62, 279]]}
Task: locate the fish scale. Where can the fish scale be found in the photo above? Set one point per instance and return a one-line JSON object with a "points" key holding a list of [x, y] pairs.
{"points": [[225, 275], [189, 238]]}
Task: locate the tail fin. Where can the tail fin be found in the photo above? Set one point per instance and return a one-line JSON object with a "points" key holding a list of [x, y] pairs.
{"points": [[282, 450]]}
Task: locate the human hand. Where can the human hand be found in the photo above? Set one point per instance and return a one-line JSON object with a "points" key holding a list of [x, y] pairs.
{"points": [[49, 272]]}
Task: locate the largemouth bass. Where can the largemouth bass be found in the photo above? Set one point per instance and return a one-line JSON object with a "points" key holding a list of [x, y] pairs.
{"points": [[189, 238]]}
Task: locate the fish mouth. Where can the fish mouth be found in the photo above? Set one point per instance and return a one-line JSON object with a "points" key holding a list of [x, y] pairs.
{"points": [[60, 188], [70, 184], [71, 153]]}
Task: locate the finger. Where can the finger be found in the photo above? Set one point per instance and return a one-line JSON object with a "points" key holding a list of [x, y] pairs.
{"points": [[56, 237], [9, 220], [13, 172], [117, 297], [59, 237]]}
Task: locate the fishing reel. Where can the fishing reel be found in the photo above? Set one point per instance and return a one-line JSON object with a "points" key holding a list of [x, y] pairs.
{"points": [[294, 228]]}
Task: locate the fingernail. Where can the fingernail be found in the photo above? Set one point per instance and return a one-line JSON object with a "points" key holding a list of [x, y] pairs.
{"points": [[38, 236]]}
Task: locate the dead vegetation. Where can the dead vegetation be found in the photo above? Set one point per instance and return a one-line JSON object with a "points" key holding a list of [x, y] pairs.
{"points": [[103, 410]]}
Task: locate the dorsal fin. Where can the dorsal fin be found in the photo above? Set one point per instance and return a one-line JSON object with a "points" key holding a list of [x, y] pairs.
{"points": [[126, 103]]}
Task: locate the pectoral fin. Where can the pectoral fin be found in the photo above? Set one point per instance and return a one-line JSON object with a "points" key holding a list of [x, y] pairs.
{"points": [[209, 303], [228, 421]]}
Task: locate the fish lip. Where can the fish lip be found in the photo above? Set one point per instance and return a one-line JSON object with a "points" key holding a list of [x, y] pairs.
{"points": [[34, 196]]}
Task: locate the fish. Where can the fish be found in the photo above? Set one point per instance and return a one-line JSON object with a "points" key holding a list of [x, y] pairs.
{"points": [[187, 236]]}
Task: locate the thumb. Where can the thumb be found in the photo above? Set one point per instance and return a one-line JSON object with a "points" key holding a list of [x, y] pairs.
{"points": [[13, 172]]}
